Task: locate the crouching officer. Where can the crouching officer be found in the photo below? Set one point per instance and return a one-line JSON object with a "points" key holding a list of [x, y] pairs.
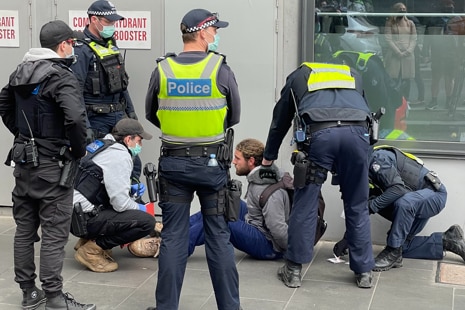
{"points": [[193, 98], [110, 215], [331, 127], [41, 106], [408, 194]]}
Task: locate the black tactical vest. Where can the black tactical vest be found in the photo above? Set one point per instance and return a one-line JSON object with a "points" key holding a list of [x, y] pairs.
{"points": [[89, 178]]}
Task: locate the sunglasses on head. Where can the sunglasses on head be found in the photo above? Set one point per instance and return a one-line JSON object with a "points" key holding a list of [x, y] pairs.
{"points": [[71, 42]]}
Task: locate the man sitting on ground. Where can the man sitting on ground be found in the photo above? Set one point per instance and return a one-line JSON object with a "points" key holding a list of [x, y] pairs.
{"points": [[260, 232]]}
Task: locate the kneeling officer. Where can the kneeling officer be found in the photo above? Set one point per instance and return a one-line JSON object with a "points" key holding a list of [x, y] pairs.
{"points": [[103, 191]]}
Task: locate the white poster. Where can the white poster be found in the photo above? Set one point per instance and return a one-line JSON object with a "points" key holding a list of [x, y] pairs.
{"points": [[9, 29], [133, 32]]}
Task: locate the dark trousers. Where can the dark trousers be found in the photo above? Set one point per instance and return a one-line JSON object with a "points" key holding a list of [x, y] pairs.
{"points": [[245, 237], [343, 150], [410, 214], [38, 200], [186, 175], [110, 228]]}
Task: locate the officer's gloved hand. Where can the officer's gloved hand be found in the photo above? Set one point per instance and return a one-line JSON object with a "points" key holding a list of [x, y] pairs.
{"points": [[267, 172], [142, 207], [138, 189], [370, 206], [132, 115], [341, 248]]}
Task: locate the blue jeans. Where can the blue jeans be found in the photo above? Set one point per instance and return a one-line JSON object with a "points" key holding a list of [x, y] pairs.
{"points": [[180, 177], [247, 238], [343, 150]]}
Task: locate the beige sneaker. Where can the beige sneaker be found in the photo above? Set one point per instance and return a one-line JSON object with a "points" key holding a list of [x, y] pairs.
{"points": [[158, 227], [95, 258], [145, 247], [156, 232], [80, 243]]}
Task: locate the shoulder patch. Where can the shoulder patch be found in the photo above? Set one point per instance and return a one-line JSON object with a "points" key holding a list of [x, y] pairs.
{"points": [[94, 146]]}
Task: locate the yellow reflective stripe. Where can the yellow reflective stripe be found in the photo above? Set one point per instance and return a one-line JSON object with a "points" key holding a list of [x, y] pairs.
{"points": [[323, 76], [103, 51]]}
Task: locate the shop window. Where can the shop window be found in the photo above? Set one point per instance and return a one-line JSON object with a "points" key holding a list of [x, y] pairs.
{"points": [[411, 56]]}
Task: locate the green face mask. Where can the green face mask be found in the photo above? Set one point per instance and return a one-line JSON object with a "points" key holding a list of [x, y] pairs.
{"points": [[135, 150], [107, 31], [214, 45]]}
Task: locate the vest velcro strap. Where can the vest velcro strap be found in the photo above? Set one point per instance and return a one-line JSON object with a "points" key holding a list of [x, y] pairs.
{"points": [[314, 127], [190, 151]]}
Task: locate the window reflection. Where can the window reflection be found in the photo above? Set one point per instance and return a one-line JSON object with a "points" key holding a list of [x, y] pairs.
{"points": [[411, 56]]}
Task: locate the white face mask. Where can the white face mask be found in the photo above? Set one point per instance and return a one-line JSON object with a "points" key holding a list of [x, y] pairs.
{"points": [[71, 56]]}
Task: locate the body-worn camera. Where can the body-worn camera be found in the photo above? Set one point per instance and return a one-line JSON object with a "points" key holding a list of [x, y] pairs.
{"points": [[32, 154], [433, 179]]}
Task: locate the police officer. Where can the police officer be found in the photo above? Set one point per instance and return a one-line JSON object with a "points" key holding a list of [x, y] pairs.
{"points": [[408, 194], [103, 190], [328, 104], [193, 98], [42, 107], [100, 69]]}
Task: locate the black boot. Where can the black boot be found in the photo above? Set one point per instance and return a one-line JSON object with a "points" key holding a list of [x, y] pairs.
{"points": [[364, 280], [66, 302], [32, 298], [290, 274], [388, 258], [452, 241]]}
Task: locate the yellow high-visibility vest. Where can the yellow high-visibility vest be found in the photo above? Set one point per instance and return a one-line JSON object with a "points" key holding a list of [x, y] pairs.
{"points": [[324, 76], [191, 107], [102, 51]]}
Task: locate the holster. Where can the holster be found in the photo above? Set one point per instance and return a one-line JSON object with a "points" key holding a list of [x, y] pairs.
{"points": [[69, 168], [233, 200], [79, 221]]}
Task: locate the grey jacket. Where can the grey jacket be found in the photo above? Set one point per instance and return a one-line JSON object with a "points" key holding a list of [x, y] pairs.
{"points": [[116, 164], [273, 218]]}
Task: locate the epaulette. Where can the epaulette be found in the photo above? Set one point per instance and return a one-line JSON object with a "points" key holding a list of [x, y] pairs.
{"points": [[217, 53], [78, 34], [167, 55]]}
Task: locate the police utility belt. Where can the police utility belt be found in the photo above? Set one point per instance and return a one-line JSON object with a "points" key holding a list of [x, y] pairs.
{"points": [[314, 127], [190, 151], [104, 108]]}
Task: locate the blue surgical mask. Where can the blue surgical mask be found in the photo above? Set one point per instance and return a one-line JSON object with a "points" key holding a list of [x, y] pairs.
{"points": [[214, 45], [107, 31], [135, 150]]}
